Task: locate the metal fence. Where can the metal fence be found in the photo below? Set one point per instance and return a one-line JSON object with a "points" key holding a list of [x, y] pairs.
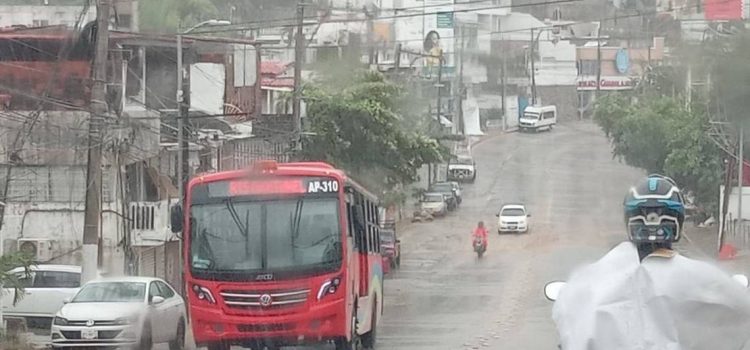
{"points": [[738, 234]]}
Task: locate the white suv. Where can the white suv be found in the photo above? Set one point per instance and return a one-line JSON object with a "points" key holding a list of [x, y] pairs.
{"points": [[513, 218], [462, 168], [46, 287]]}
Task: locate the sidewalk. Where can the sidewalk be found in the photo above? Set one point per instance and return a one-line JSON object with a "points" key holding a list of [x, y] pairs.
{"points": [[701, 243]]}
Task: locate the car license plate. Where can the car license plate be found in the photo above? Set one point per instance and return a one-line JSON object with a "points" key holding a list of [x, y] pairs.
{"points": [[512, 227], [89, 334]]}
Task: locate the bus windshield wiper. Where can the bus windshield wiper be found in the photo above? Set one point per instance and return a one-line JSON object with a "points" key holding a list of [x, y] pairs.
{"points": [[235, 217]]}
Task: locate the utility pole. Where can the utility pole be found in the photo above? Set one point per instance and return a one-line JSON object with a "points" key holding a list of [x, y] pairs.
{"points": [[299, 56], [183, 120], [502, 77], [461, 125], [598, 59], [92, 214], [503, 92], [439, 85], [397, 58], [740, 168], [533, 69], [370, 44], [689, 88]]}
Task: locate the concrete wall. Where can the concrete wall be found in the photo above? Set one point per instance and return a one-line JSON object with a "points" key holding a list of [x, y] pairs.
{"points": [[564, 97], [61, 222], [639, 57], [60, 13], [52, 14], [60, 137]]}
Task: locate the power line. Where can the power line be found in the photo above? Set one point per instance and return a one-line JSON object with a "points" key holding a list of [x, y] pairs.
{"points": [[242, 26], [291, 21]]}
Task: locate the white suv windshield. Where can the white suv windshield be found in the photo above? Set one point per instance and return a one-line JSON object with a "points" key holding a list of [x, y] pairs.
{"points": [[513, 212]]}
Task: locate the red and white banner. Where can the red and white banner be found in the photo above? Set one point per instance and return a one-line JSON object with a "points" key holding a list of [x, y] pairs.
{"points": [[723, 10], [605, 83]]}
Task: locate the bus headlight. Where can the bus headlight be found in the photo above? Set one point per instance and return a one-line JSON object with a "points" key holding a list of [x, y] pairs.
{"points": [[203, 293], [329, 287]]}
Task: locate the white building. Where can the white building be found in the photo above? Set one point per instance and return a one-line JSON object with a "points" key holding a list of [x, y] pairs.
{"points": [[39, 13]]}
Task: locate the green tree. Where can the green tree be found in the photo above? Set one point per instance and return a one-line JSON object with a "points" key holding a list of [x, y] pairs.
{"points": [[9, 280], [168, 16], [660, 135], [357, 126]]}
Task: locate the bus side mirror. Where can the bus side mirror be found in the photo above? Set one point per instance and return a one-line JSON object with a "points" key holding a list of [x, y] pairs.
{"points": [[176, 218]]}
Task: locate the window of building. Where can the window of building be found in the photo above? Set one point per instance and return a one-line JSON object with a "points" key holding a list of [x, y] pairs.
{"points": [[124, 21], [588, 67]]}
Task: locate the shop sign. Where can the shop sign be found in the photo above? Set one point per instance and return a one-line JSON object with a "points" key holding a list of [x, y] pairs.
{"points": [[605, 83]]}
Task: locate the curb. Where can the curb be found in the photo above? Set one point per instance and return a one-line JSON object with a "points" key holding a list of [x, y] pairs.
{"points": [[485, 137]]}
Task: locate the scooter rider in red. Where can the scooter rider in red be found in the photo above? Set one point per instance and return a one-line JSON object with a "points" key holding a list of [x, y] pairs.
{"points": [[480, 233]]}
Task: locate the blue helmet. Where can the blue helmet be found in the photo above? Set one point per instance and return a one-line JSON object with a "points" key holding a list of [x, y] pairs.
{"points": [[654, 210]]}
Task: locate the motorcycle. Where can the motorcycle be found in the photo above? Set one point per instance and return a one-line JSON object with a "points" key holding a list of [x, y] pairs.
{"points": [[479, 246]]}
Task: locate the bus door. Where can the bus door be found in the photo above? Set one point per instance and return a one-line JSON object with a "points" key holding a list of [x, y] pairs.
{"points": [[361, 229]]}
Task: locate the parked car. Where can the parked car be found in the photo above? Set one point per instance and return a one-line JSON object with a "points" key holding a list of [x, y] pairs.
{"points": [[121, 312], [513, 218], [447, 189], [536, 118], [45, 289], [434, 204], [462, 168], [390, 246]]}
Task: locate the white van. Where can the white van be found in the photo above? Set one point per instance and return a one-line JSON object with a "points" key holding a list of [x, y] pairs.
{"points": [[538, 117]]}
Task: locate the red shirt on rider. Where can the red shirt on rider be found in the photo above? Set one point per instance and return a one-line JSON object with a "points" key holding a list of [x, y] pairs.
{"points": [[481, 232]]}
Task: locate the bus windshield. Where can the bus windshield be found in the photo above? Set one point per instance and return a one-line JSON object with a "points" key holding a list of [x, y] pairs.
{"points": [[265, 235]]}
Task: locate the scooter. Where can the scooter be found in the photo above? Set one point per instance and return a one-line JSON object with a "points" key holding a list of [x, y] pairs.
{"points": [[479, 246]]}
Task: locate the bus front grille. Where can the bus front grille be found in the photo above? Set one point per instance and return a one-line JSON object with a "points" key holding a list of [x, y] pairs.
{"points": [[243, 299]]}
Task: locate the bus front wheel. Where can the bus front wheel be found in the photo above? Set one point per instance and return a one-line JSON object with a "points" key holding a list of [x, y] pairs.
{"points": [[354, 343], [219, 346], [369, 338]]}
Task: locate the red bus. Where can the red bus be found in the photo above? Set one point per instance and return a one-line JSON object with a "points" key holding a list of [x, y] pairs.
{"points": [[281, 254]]}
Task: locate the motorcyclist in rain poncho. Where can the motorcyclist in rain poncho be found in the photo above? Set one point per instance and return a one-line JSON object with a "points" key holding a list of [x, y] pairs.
{"points": [[643, 295]]}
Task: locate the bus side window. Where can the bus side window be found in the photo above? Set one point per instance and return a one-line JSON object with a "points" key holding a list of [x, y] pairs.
{"points": [[378, 237], [360, 229], [370, 243], [350, 219]]}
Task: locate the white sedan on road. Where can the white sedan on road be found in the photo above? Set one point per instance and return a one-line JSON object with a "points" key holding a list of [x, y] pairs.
{"points": [[513, 218], [121, 312]]}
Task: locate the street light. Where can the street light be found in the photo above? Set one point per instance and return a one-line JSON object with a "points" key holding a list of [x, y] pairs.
{"points": [[182, 110]]}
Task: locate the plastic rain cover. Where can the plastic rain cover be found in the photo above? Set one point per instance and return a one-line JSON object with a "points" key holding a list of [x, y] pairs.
{"points": [[665, 302]]}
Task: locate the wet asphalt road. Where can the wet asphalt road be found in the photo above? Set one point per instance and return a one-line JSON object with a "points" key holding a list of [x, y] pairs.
{"points": [[443, 297]]}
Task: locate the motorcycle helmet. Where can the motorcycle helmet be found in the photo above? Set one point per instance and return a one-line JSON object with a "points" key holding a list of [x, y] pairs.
{"points": [[654, 210]]}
